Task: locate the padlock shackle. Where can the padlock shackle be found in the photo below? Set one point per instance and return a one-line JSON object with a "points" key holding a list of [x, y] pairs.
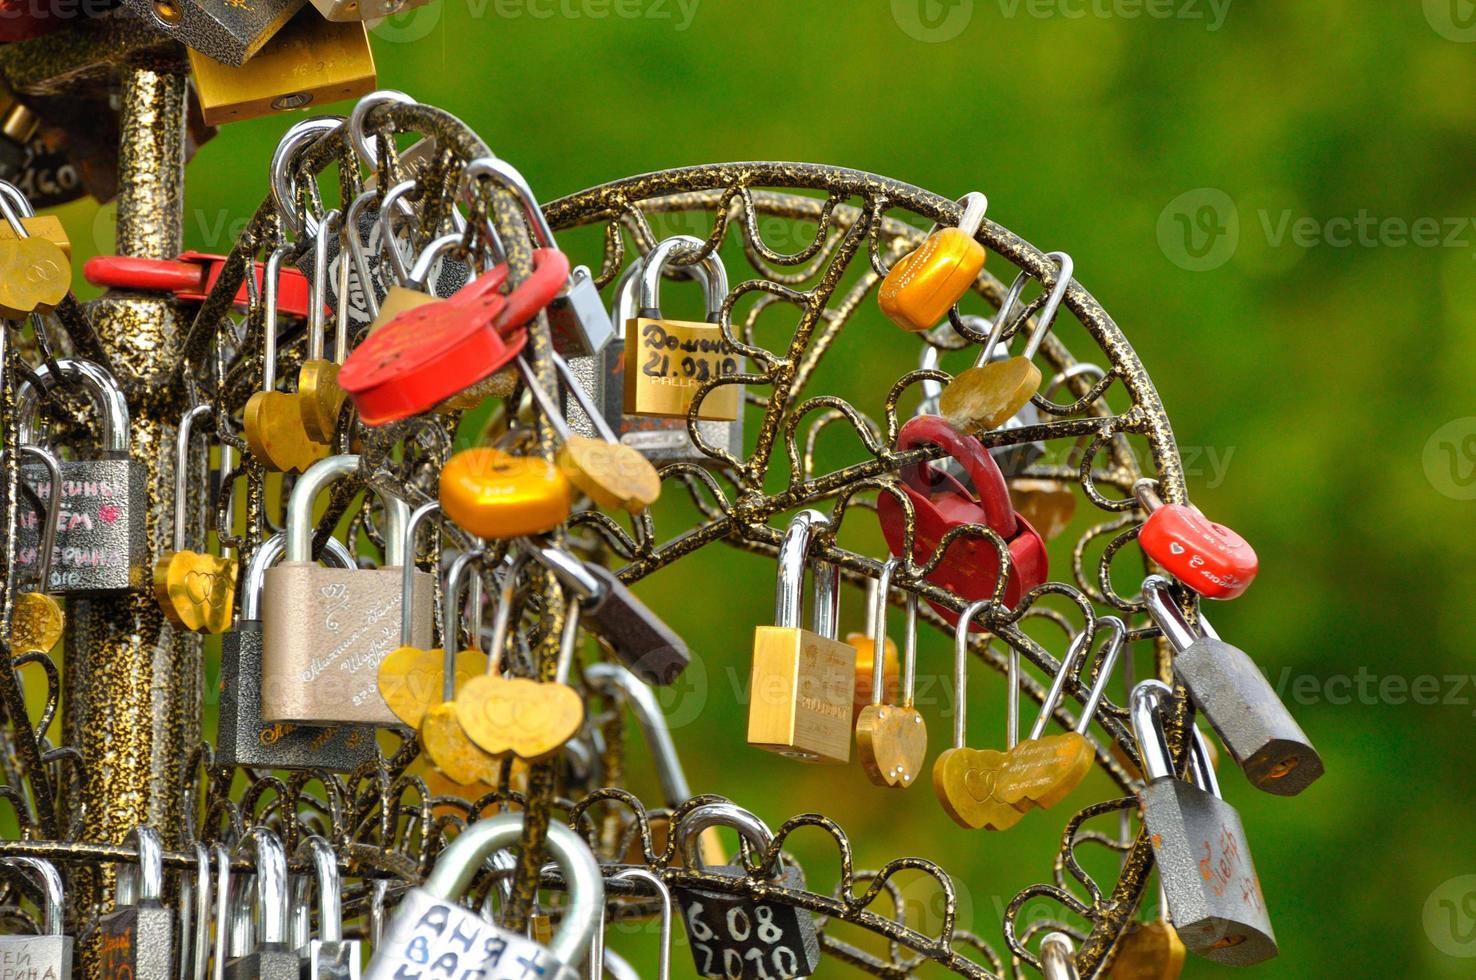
{"points": [[1202, 768], [961, 672], [715, 287], [52, 516], [1166, 614], [144, 881], [357, 138], [44, 873], [182, 472], [389, 246], [512, 180], [195, 912], [271, 273], [1144, 706], [305, 492], [452, 602], [877, 631], [1069, 664], [663, 894], [507, 592], [331, 226], [1074, 371], [627, 287], [708, 815], [103, 391], [1108, 661], [355, 242], [326, 881], [569, 568], [789, 600], [222, 909], [460, 862], [419, 274], [1057, 957], [407, 581], [267, 554], [1043, 320], [582, 398], [612, 679], [284, 182], [546, 406], [269, 898]]}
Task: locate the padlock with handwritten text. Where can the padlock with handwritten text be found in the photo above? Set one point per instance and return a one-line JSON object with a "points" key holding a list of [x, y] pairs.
{"points": [[47, 956], [101, 539], [326, 630], [138, 935]]}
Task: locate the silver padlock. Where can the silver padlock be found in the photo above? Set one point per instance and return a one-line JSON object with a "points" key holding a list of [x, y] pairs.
{"points": [[1204, 860], [328, 956], [732, 935], [1057, 958], [1228, 686], [138, 936], [433, 936], [243, 739], [49, 955], [326, 629], [101, 543], [259, 952], [576, 318]]}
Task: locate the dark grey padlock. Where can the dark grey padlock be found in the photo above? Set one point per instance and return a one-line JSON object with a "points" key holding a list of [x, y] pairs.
{"points": [[49, 955], [1228, 686], [101, 543], [260, 952], [734, 936], [1204, 861], [326, 956], [229, 32], [243, 738], [138, 935], [640, 638]]}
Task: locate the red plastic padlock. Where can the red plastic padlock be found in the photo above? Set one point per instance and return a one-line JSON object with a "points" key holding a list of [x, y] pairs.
{"points": [[427, 354], [970, 566], [191, 277], [1207, 557]]}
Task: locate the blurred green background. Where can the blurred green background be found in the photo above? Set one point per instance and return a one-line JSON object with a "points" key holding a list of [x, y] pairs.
{"points": [[1232, 184]]}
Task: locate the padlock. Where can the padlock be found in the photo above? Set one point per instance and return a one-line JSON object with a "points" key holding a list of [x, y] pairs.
{"points": [[228, 32], [866, 655], [138, 935], [606, 958], [326, 630], [1149, 950], [1228, 686], [1012, 459], [328, 956], [970, 566], [402, 283], [101, 542], [37, 620], [365, 9], [577, 320], [1204, 556], [433, 935], [49, 955], [735, 936], [195, 589], [260, 952], [1057, 958], [190, 278], [496, 495], [921, 286], [319, 397], [1204, 862], [35, 274], [310, 61], [639, 637], [802, 683], [892, 740], [195, 901], [668, 361], [995, 389], [243, 738]]}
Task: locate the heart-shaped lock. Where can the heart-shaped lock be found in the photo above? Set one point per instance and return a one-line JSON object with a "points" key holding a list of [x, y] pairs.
{"points": [[1149, 951], [36, 623], [196, 591], [1207, 557], [892, 741], [35, 275], [450, 750], [940, 503], [411, 680], [966, 782], [528, 718]]}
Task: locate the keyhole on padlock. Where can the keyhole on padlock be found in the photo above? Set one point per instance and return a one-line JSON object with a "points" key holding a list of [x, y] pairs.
{"points": [[167, 11], [1283, 767]]}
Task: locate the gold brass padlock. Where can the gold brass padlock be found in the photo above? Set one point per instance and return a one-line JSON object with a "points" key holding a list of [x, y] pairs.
{"points": [[922, 285], [308, 62], [804, 681], [1149, 950], [668, 361]]}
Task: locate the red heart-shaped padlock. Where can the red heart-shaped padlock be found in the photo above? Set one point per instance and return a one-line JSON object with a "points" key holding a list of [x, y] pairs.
{"points": [[429, 353], [970, 566], [1207, 557]]}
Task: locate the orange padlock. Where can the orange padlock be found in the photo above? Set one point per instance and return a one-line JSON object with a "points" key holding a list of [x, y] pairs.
{"points": [[922, 285], [494, 494]]}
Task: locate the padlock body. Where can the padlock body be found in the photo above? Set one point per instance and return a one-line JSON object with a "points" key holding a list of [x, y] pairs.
{"points": [[734, 936], [1148, 951], [1261, 734], [398, 300], [245, 740], [137, 943], [667, 361], [1204, 861], [276, 963], [800, 694], [101, 535], [38, 957], [227, 32], [326, 630], [435, 939], [1209, 558], [577, 317], [331, 960], [923, 284], [346, 10]]}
